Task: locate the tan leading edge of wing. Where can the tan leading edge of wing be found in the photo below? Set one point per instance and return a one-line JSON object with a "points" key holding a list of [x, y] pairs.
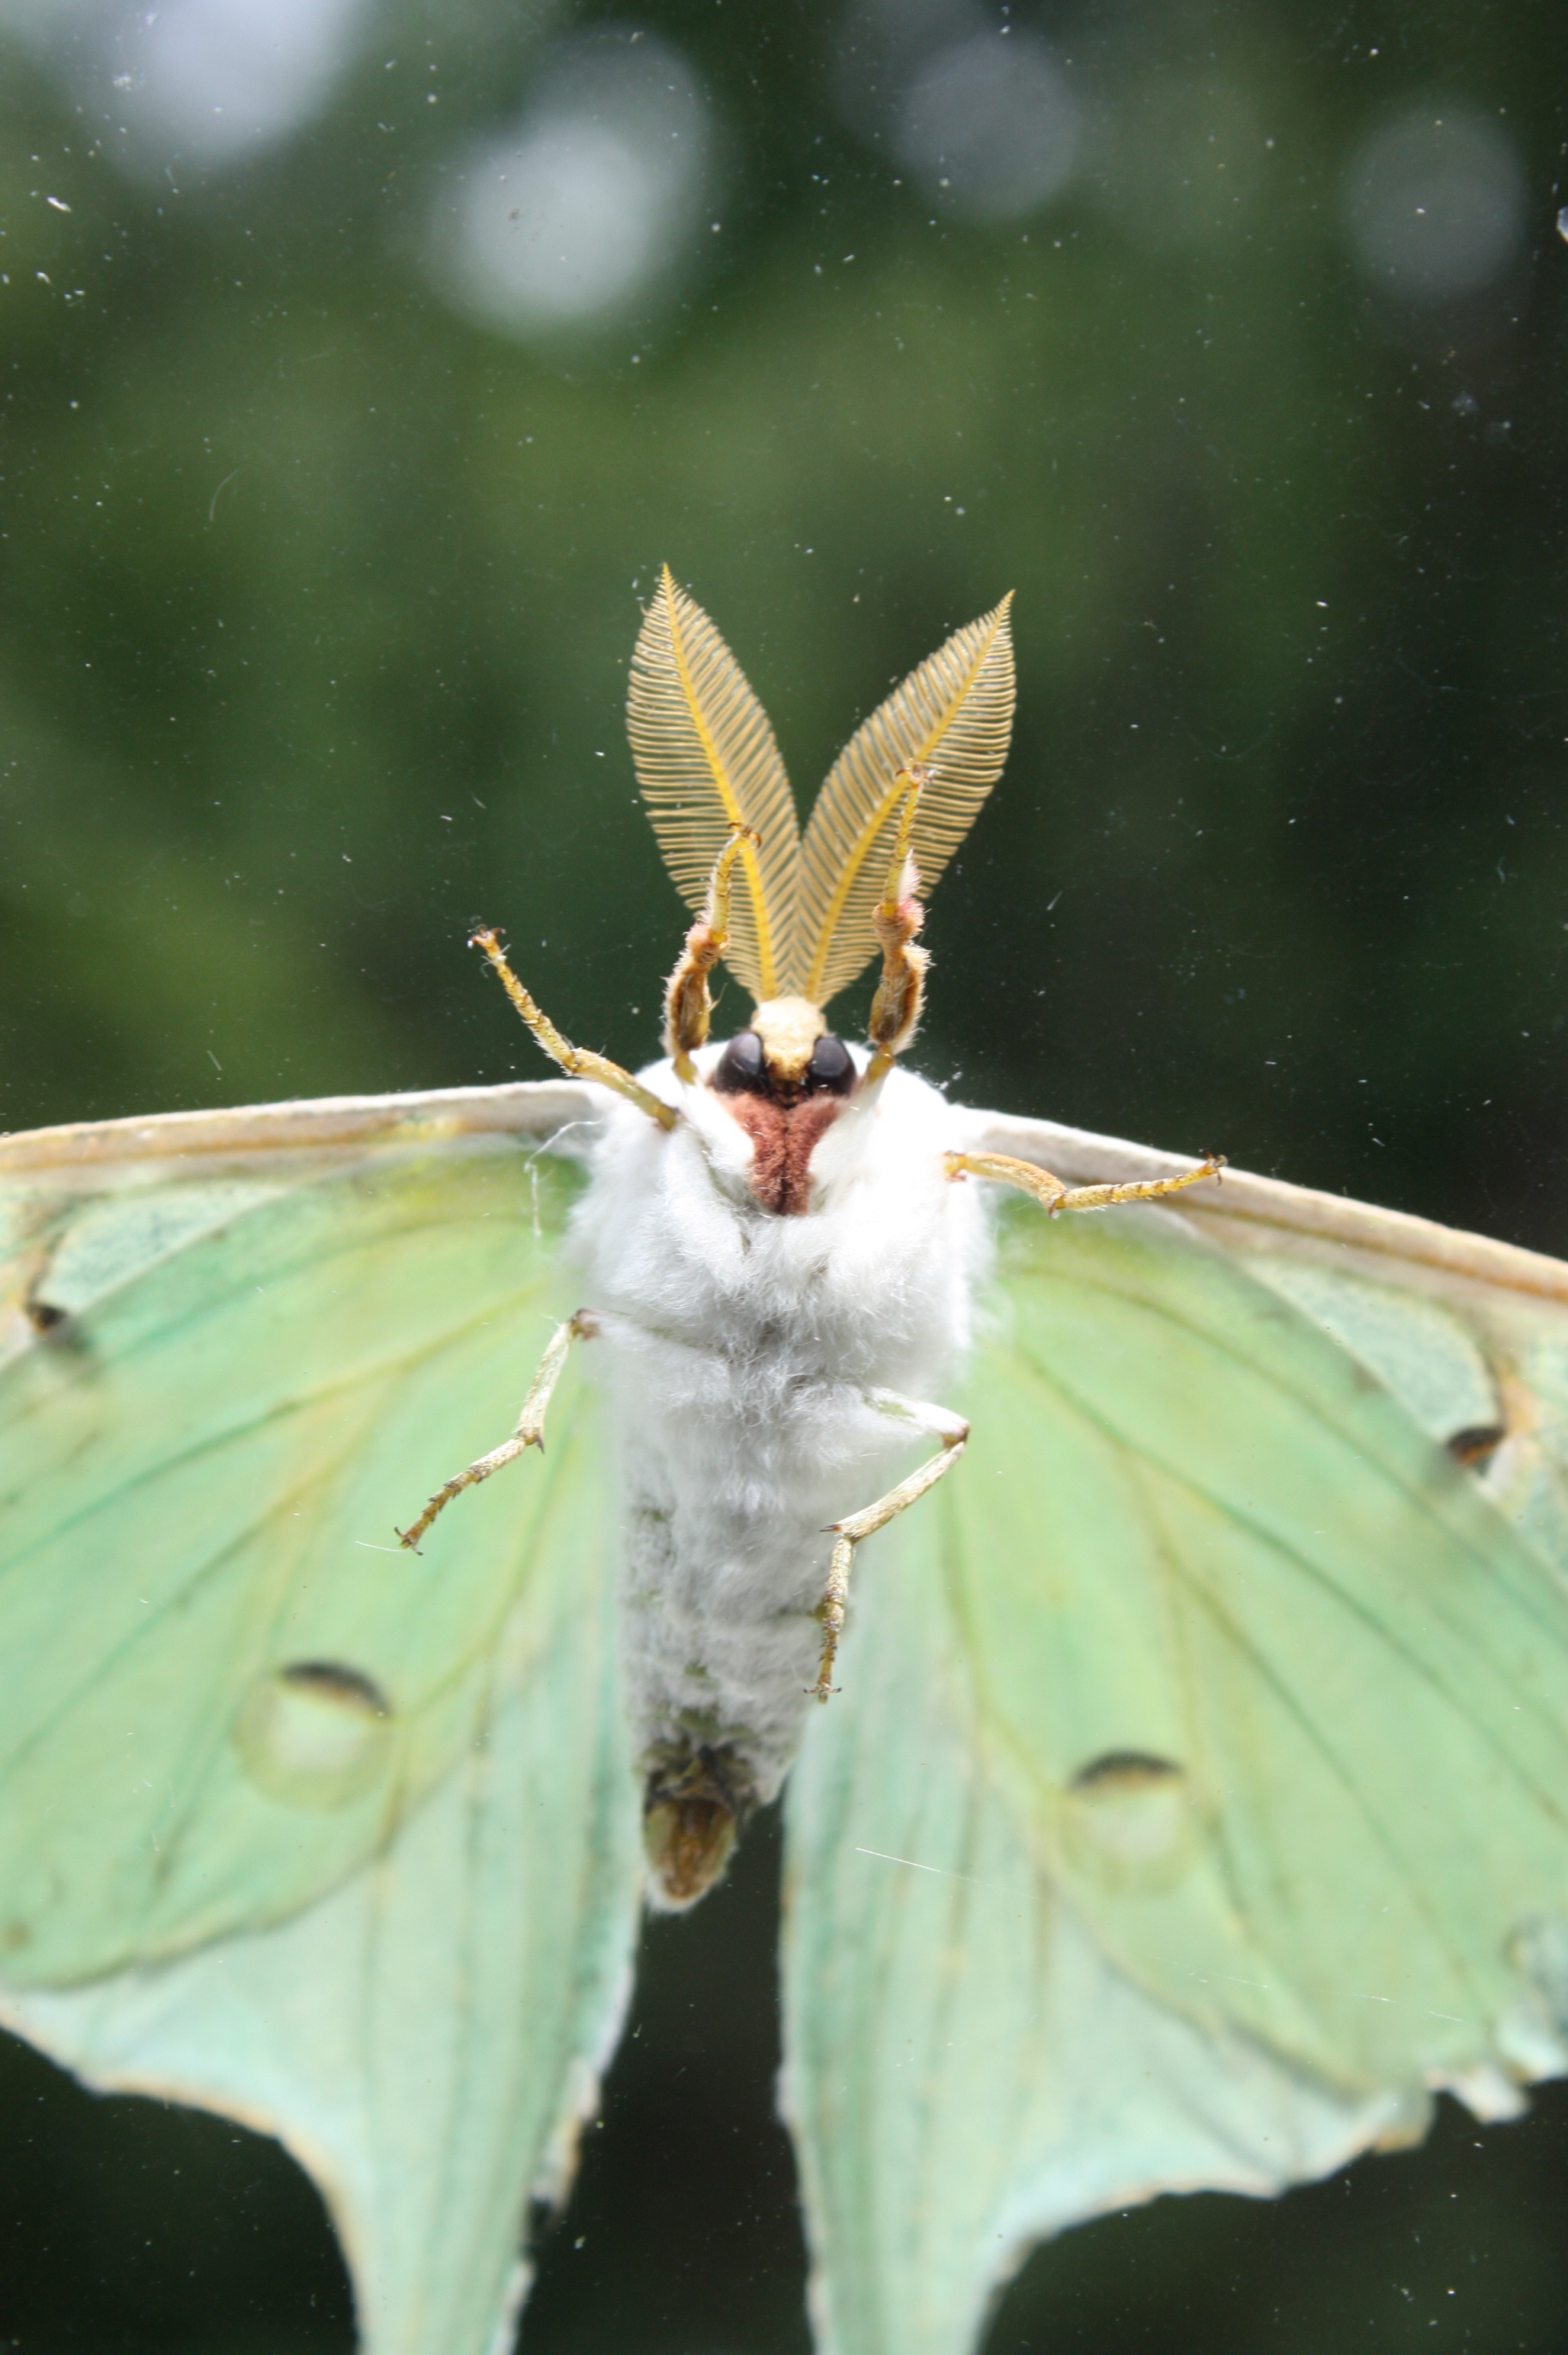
{"points": [[545, 1108], [321, 1123], [1470, 1334], [707, 762], [1265, 1212], [954, 713]]}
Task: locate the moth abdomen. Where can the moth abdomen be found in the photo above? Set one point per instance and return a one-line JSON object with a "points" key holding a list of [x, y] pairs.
{"points": [[695, 1802]]}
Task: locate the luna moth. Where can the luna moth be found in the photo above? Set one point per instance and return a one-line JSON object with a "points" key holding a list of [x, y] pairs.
{"points": [[1187, 1801]]}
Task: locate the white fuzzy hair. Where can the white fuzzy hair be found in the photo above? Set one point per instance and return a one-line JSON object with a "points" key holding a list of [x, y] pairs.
{"points": [[738, 1346]]}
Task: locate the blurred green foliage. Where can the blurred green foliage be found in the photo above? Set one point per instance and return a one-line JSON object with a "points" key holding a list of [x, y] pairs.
{"points": [[315, 604], [318, 600]]}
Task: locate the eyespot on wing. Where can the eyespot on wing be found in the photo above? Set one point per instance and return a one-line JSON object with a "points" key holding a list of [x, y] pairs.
{"points": [[1129, 1820], [1474, 1447], [314, 1734]]}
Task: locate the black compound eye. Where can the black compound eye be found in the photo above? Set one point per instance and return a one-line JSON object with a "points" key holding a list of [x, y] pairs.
{"points": [[832, 1067], [739, 1068]]}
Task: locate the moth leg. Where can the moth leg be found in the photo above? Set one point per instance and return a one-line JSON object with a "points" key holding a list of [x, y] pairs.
{"points": [[687, 1005], [581, 1062], [530, 1431], [1053, 1197], [895, 920], [953, 1431]]}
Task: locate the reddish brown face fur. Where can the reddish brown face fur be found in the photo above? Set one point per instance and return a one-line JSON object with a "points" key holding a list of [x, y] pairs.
{"points": [[783, 1137], [784, 1103]]}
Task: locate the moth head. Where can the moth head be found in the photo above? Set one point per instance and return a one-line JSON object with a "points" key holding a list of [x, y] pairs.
{"points": [[787, 1053], [786, 1030], [785, 1080]]}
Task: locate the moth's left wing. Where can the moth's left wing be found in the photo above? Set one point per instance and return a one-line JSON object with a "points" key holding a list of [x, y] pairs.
{"points": [[966, 2071], [1470, 1334], [291, 1823], [1198, 1801]]}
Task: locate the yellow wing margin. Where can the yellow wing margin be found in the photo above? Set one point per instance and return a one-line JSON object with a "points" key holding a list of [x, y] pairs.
{"points": [[955, 715], [707, 762]]}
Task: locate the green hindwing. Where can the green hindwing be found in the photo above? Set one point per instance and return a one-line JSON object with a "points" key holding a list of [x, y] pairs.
{"points": [[1197, 1802], [966, 2070], [427, 2038], [295, 1825]]}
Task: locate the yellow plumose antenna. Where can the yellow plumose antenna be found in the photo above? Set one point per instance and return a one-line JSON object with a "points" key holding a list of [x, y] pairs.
{"points": [[803, 912], [708, 767], [952, 718]]}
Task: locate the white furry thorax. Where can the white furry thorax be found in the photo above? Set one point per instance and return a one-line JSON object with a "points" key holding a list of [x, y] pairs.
{"points": [[738, 1346]]}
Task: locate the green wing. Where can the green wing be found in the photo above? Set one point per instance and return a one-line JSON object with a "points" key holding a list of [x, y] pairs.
{"points": [[383, 1907], [966, 2070], [427, 2038], [1232, 1716]]}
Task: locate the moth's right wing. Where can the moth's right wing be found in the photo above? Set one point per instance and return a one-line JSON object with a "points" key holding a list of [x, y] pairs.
{"points": [[293, 1824], [232, 1373], [427, 2038]]}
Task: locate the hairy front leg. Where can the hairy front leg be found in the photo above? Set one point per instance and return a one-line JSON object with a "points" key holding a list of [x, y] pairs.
{"points": [[530, 1431], [896, 919], [953, 1431], [1052, 1196]]}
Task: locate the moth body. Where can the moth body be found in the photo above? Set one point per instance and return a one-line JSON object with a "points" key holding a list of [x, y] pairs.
{"points": [[778, 1266], [745, 1348]]}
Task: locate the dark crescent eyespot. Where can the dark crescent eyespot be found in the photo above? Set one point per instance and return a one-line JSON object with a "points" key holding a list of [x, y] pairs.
{"points": [[317, 1734], [1474, 1446], [739, 1068], [334, 1681], [1122, 1771], [831, 1067]]}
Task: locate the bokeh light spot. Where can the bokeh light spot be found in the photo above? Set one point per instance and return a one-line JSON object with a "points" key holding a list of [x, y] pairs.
{"points": [[1435, 204], [991, 126], [588, 205], [204, 81]]}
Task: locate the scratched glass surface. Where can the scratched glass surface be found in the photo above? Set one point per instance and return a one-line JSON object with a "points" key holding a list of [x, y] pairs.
{"points": [[361, 362]]}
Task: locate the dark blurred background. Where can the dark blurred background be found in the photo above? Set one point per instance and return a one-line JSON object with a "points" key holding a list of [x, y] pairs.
{"points": [[360, 360]]}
